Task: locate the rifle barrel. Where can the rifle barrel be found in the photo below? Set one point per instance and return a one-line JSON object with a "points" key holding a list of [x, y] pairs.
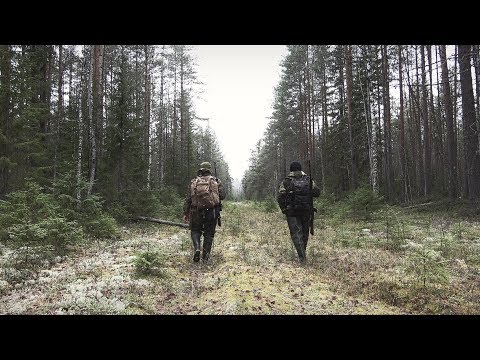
{"points": [[219, 218], [311, 199]]}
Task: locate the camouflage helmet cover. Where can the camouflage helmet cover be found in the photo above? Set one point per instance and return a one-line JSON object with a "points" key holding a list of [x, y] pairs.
{"points": [[205, 166]]}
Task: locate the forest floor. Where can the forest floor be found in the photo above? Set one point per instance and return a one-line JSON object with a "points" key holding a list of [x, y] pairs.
{"points": [[417, 263]]}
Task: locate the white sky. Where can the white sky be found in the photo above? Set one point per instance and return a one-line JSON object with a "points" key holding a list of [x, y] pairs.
{"points": [[239, 81]]}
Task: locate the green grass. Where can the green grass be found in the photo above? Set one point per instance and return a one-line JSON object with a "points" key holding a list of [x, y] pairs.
{"points": [[396, 261]]}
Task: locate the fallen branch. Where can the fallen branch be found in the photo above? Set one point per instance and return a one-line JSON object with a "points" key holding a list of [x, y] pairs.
{"points": [[165, 222], [414, 206]]}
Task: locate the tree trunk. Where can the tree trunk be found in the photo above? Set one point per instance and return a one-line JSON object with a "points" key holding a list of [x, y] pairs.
{"points": [[5, 114], [461, 155], [161, 126], [80, 136], [373, 143], [301, 118], [323, 102], [378, 138], [122, 181], [440, 126], [476, 65], [426, 128], [103, 104], [418, 129], [435, 134], [40, 95], [183, 139], [59, 110], [147, 116], [414, 151], [311, 107], [95, 101], [48, 85], [402, 126], [70, 85], [100, 73], [413, 140], [387, 126], [470, 137], [367, 125], [451, 143], [174, 123], [349, 78]]}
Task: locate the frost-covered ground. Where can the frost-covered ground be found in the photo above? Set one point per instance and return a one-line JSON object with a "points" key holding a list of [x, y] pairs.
{"points": [[253, 270], [99, 279]]}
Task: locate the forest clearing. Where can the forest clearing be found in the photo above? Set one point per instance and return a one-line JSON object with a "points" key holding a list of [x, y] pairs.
{"points": [[410, 262]]}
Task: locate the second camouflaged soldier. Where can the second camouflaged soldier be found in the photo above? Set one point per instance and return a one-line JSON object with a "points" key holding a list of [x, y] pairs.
{"points": [[295, 201]]}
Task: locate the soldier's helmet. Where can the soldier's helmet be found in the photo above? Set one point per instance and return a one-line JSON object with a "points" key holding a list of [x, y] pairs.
{"points": [[205, 166]]}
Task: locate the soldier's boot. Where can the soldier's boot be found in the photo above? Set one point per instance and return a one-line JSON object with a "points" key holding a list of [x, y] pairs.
{"points": [[196, 245], [207, 247]]}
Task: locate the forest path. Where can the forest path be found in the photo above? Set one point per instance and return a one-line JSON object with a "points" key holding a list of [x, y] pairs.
{"points": [[253, 270]]}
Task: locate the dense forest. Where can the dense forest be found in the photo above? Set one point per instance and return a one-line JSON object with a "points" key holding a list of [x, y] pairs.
{"points": [[400, 120], [94, 136], [109, 122]]}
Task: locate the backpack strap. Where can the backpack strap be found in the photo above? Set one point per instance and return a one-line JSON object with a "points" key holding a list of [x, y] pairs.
{"points": [[288, 184]]}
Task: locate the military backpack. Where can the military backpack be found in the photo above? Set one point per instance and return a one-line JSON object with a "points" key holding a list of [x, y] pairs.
{"points": [[204, 192], [298, 194]]}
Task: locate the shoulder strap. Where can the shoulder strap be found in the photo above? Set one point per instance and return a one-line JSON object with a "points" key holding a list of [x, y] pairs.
{"points": [[287, 183]]}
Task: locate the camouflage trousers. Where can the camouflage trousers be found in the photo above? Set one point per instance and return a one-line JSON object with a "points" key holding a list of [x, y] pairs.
{"points": [[203, 222], [299, 226]]}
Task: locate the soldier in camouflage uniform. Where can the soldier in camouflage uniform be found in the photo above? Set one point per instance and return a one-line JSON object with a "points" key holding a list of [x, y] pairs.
{"points": [[202, 220], [298, 217]]}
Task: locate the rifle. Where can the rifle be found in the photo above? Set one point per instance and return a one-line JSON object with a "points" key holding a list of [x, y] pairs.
{"points": [[312, 216], [219, 218]]}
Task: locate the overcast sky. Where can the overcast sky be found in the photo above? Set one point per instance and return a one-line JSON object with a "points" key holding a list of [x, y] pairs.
{"points": [[239, 81]]}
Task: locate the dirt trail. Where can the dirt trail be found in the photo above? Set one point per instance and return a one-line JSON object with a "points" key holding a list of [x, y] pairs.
{"points": [[253, 270]]}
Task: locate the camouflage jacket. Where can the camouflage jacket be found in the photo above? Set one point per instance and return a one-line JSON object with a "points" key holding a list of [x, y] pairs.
{"points": [[282, 192], [187, 204]]}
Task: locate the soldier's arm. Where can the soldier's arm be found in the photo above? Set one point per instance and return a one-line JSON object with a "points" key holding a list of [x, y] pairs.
{"points": [[221, 190], [282, 193], [187, 203]]}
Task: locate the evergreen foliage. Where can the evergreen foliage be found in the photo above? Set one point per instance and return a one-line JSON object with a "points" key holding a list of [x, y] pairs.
{"points": [[339, 107], [31, 217], [100, 129], [149, 263]]}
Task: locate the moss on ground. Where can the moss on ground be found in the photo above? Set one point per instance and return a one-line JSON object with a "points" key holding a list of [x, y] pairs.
{"points": [[353, 267]]}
